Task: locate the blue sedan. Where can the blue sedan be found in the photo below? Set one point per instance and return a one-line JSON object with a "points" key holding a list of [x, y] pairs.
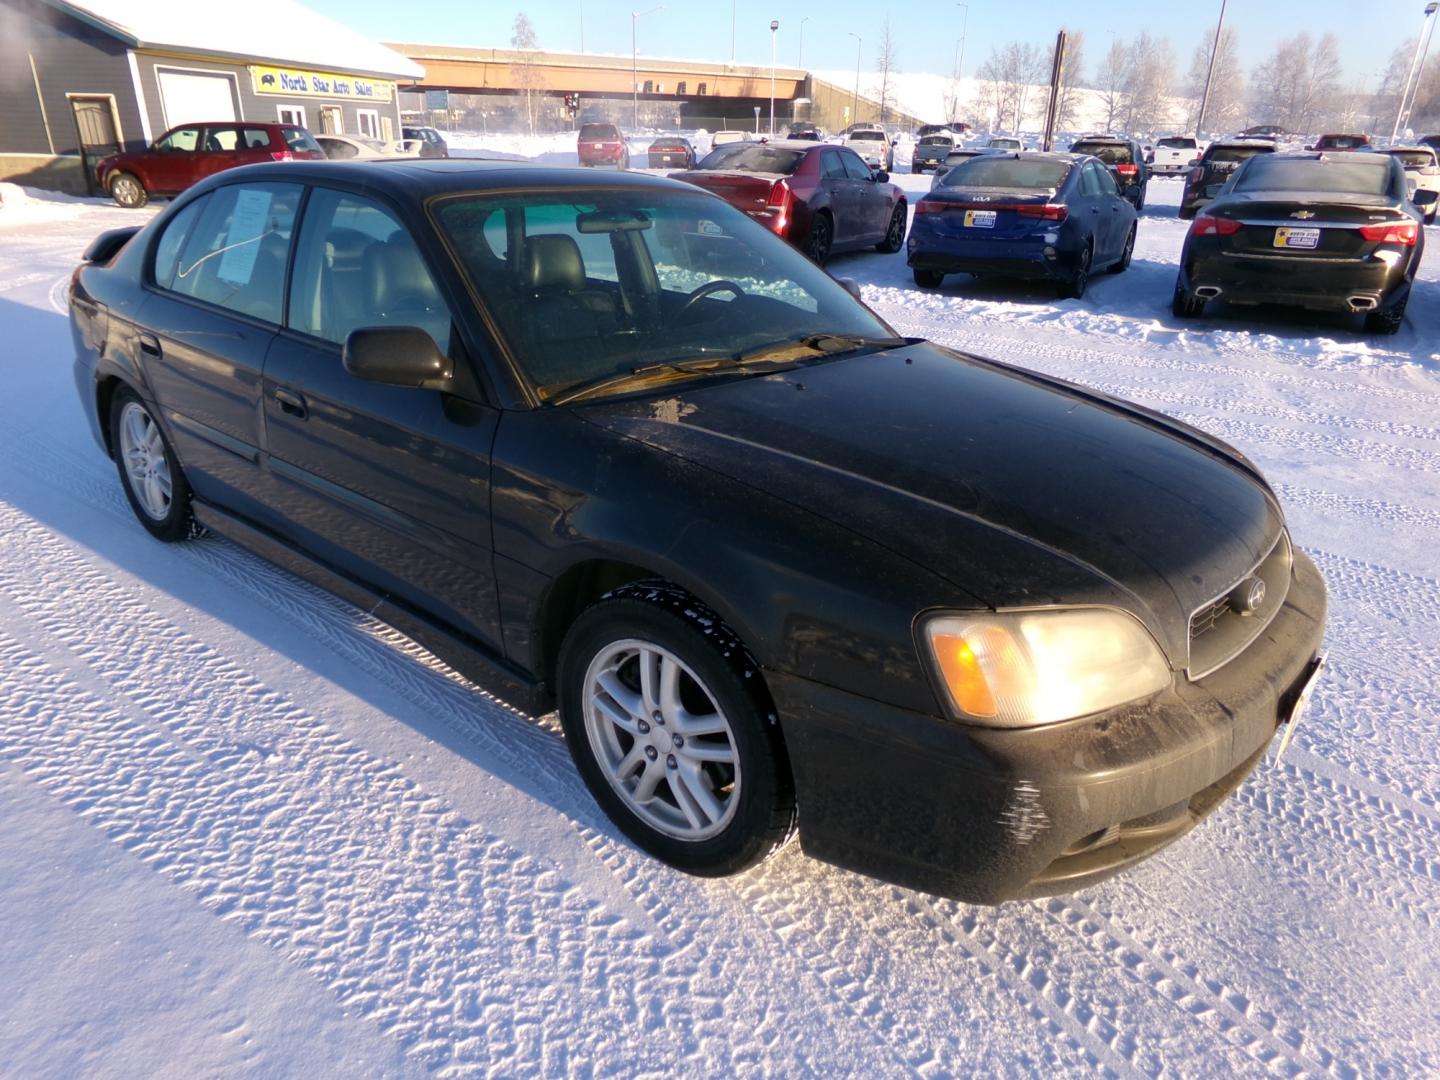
{"points": [[1055, 217]]}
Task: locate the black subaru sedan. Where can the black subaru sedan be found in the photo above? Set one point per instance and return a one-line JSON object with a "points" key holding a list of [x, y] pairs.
{"points": [[606, 444], [1327, 232]]}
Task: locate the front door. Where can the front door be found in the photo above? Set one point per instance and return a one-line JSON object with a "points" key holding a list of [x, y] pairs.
{"points": [[389, 484], [219, 278], [96, 131], [172, 161], [332, 121]]}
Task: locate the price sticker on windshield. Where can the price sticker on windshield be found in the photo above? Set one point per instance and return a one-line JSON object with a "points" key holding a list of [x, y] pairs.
{"points": [[1287, 236], [979, 219]]}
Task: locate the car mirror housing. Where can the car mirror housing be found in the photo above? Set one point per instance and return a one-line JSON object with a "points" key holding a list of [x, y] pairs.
{"points": [[850, 285], [882, 177], [397, 356]]}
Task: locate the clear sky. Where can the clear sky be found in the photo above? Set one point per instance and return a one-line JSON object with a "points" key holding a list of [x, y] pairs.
{"points": [[925, 33]]}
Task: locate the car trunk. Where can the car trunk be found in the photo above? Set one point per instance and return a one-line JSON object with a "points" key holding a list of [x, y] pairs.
{"points": [[1302, 228], [742, 190], [990, 214]]}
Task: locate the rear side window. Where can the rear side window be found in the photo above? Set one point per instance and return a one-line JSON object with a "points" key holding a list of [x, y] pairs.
{"points": [[1177, 144], [167, 251], [1330, 177], [357, 266], [300, 139], [255, 138], [752, 157], [222, 138], [855, 168], [1008, 172], [1413, 159], [235, 254], [831, 167]]}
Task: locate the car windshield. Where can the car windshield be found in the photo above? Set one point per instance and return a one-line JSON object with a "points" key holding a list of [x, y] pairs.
{"points": [[599, 131], [1414, 159], [1236, 153], [1367, 176], [1011, 173], [593, 284], [300, 139], [1110, 153], [1177, 144], [937, 140], [1008, 144], [1343, 142], [752, 157]]}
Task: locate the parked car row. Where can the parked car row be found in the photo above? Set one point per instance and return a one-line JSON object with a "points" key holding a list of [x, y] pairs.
{"points": [[607, 444]]}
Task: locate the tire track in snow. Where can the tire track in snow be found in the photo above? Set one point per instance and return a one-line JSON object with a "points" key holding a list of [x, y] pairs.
{"points": [[1377, 510]]}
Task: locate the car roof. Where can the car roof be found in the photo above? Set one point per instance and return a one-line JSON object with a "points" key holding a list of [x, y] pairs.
{"points": [[1378, 160]]}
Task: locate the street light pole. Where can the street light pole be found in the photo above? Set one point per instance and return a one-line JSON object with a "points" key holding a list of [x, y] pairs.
{"points": [[1424, 38], [855, 107], [960, 46], [582, 25], [1210, 72], [634, 71], [800, 56], [774, 25]]}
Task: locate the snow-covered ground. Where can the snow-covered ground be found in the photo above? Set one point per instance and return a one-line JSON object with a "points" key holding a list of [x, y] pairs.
{"points": [[249, 831]]}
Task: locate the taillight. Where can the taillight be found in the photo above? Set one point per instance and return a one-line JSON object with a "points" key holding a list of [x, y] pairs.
{"points": [[1205, 225], [1126, 170], [1044, 211], [1403, 233], [930, 206], [779, 195], [281, 155]]}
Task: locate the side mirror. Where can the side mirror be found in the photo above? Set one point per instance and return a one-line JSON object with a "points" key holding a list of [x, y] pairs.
{"points": [[1194, 161], [397, 356], [850, 286], [881, 177]]}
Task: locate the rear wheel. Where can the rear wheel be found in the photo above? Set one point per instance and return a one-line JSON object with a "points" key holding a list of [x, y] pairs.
{"points": [[1185, 306], [154, 483], [671, 729], [895, 234], [1123, 263], [1387, 321], [929, 279], [127, 190], [1079, 280], [1140, 199], [822, 235]]}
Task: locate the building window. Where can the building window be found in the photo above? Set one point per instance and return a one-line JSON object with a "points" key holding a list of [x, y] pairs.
{"points": [[291, 114], [369, 121], [702, 90], [649, 87], [680, 87], [332, 120]]}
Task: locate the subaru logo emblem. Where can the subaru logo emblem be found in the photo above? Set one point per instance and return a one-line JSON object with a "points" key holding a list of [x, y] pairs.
{"points": [[1246, 598]]}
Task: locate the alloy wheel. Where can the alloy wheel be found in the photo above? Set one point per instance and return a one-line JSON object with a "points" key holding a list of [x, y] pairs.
{"points": [[142, 451]]}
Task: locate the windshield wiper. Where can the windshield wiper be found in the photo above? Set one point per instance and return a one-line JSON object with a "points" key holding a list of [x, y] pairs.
{"points": [[698, 365], [825, 344]]}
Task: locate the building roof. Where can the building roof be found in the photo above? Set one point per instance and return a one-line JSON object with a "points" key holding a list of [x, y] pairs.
{"points": [[270, 30]]}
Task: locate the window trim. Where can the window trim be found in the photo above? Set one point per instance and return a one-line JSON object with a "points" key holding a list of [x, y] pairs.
{"points": [[281, 110], [361, 115]]}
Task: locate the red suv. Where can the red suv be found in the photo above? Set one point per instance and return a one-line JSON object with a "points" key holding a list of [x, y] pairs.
{"points": [[602, 144], [191, 152]]}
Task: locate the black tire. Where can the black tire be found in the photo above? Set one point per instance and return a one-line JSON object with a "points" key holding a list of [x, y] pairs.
{"points": [[822, 236], [1140, 199], [658, 613], [1185, 306], [178, 521], [1123, 263], [1073, 288], [127, 191], [1188, 212], [1388, 321], [895, 234], [929, 279]]}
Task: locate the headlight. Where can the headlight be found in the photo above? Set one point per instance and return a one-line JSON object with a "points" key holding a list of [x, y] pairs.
{"points": [[1027, 668]]}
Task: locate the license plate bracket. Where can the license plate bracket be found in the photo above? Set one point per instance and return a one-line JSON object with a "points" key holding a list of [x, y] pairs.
{"points": [[979, 219], [1289, 236], [1294, 703]]}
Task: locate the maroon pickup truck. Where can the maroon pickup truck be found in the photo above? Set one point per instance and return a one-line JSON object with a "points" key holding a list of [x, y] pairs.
{"points": [[187, 154]]}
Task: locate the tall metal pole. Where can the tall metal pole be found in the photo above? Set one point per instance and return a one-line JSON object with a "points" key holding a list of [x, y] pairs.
{"points": [[1210, 72], [1414, 62], [732, 32], [960, 54], [582, 25], [800, 56], [855, 107], [1419, 72], [774, 25]]}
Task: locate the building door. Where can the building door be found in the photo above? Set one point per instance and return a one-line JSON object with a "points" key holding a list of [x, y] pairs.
{"points": [[332, 120], [97, 131]]}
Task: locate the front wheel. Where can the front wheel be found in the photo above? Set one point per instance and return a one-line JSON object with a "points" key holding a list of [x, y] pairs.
{"points": [[670, 727], [154, 483], [895, 234], [127, 191]]}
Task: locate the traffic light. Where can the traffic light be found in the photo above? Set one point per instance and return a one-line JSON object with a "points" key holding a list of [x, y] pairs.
{"points": [[572, 103]]}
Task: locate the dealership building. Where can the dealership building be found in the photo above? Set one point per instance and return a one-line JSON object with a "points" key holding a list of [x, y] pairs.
{"points": [[79, 80]]}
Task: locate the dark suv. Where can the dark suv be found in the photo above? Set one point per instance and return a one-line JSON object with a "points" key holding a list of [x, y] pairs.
{"points": [[432, 143], [1125, 158], [602, 144], [1220, 159], [187, 154]]}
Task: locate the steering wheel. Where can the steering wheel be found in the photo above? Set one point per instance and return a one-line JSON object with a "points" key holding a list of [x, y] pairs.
{"points": [[708, 289]]}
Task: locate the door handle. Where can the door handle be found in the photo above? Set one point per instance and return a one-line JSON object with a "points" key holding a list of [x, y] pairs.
{"points": [[290, 402], [149, 345]]}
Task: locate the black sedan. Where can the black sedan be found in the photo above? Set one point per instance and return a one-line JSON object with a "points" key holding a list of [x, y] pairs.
{"points": [[1328, 232], [671, 152], [1055, 217], [613, 446]]}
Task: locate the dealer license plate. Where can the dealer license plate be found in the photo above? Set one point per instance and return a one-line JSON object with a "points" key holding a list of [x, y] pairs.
{"points": [[979, 219], [1298, 705], [1286, 236]]}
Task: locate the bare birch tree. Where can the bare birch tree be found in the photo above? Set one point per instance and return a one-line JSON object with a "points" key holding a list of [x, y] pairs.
{"points": [[527, 73], [1226, 107]]}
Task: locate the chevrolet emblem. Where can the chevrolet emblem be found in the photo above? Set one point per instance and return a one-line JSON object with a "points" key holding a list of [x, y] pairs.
{"points": [[1303, 215]]}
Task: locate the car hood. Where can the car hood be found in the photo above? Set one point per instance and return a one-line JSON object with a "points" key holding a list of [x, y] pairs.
{"points": [[1019, 489]]}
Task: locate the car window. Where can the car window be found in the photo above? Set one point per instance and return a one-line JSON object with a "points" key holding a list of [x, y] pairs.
{"points": [[235, 255], [597, 282], [181, 139], [855, 167], [598, 132], [1024, 174], [338, 149], [357, 266], [1177, 144], [1235, 153], [1110, 153], [299, 139], [752, 157], [167, 251], [1414, 159], [255, 138], [1090, 182], [1364, 177], [222, 138], [831, 167]]}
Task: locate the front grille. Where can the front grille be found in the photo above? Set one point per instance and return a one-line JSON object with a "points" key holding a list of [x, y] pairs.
{"points": [[1219, 633]]}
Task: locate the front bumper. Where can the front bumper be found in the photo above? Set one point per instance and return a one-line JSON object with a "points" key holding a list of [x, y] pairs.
{"points": [[985, 815]]}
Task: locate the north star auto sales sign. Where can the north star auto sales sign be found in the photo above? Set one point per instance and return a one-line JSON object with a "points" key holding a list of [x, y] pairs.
{"points": [[304, 82]]}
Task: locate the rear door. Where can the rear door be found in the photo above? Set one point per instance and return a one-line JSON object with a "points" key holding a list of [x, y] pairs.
{"points": [[1099, 200], [843, 193], [389, 484], [214, 305], [219, 150]]}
